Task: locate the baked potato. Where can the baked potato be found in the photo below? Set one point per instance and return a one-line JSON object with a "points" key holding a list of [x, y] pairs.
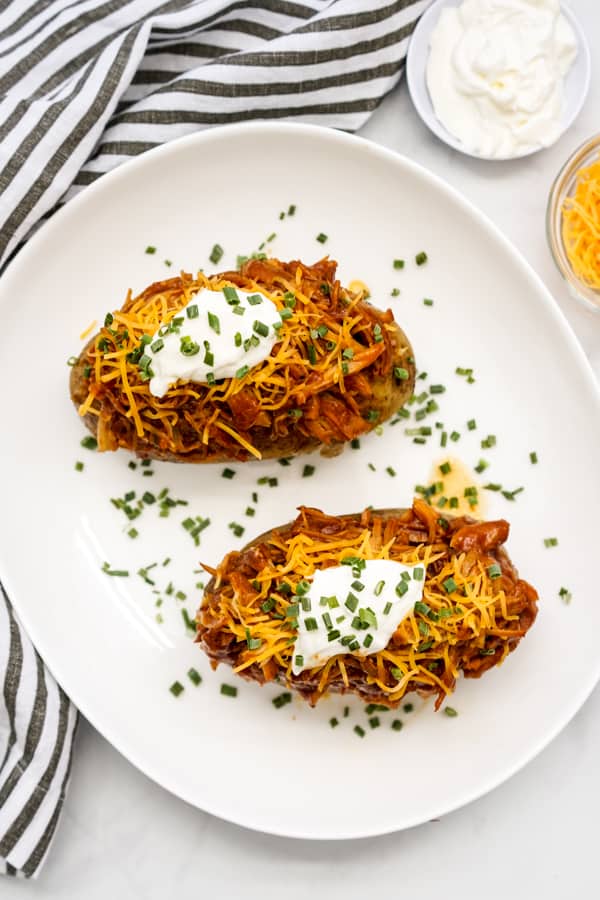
{"points": [[473, 609], [339, 368]]}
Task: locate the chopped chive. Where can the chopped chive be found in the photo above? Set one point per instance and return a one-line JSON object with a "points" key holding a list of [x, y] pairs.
{"points": [[117, 573], [400, 373], [510, 495], [395, 292], [494, 571], [550, 542], [401, 588], [260, 328], [216, 254], [421, 258], [437, 389], [194, 676], [321, 237], [177, 687], [533, 457], [445, 468], [192, 311], [565, 595], [455, 436], [79, 466], [89, 442], [488, 442], [150, 250], [307, 471], [228, 473], [450, 585], [378, 588], [471, 424], [228, 690], [390, 471], [427, 301], [242, 371], [351, 602], [359, 731], [311, 624], [481, 466], [397, 725], [443, 438], [418, 573], [214, 323], [368, 641], [398, 263], [281, 700], [255, 299], [334, 722], [450, 711], [291, 209], [355, 444], [251, 642]]}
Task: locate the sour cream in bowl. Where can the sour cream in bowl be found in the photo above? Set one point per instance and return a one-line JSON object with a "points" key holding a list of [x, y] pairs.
{"points": [[498, 79]]}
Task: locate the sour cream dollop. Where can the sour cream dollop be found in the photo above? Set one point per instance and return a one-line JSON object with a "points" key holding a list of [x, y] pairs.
{"points": [[218, 334], [353, 608], [495, 73]]}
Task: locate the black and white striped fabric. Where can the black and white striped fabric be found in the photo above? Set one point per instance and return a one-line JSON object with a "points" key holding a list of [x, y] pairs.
{"points": [[86, 85], [37, 725]]}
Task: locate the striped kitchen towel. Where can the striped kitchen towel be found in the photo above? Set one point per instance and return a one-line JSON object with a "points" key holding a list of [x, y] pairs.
{"points": [[86, 85], [37, 726]]}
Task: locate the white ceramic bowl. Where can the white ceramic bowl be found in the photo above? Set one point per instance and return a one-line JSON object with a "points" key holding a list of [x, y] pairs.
{"points": [[577, 81]]}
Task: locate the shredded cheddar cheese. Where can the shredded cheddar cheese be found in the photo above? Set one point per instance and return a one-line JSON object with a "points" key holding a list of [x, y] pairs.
{"points": [[88, 330], [581, 226], [468, 607], [328, 335]]}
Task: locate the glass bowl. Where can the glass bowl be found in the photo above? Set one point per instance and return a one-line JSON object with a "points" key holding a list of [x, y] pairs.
{"points": [[563, 187]]}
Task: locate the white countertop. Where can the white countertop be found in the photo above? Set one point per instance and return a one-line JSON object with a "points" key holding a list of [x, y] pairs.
{"points": [[123, 837]]}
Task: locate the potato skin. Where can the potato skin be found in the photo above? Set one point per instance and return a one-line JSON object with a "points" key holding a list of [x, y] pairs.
{"points": [[386, 393], [482, 542]]}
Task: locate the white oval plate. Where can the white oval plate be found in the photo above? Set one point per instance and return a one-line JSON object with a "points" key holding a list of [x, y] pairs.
{"points": [[286, 771], [577, 81]]}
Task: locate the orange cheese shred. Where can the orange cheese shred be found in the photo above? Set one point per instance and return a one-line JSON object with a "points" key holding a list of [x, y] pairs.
{"points": [[581, 226]]}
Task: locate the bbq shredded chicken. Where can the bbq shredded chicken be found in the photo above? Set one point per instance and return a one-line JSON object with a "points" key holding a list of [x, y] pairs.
{"points": [[474, 610], [339, 368]]}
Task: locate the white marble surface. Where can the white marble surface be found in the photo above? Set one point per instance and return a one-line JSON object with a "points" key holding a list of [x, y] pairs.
{"points": [[123, 837]]}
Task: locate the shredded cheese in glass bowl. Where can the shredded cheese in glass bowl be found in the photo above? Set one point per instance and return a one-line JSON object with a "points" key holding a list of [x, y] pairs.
{"points": [[573, 223]]}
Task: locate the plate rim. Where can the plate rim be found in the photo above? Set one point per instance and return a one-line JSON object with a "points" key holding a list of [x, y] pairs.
{"points": [[336, 139]]}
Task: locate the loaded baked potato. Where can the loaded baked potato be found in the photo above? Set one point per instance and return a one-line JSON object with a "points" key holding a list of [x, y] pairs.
{"points": [[339, 367], [469, 612]]}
